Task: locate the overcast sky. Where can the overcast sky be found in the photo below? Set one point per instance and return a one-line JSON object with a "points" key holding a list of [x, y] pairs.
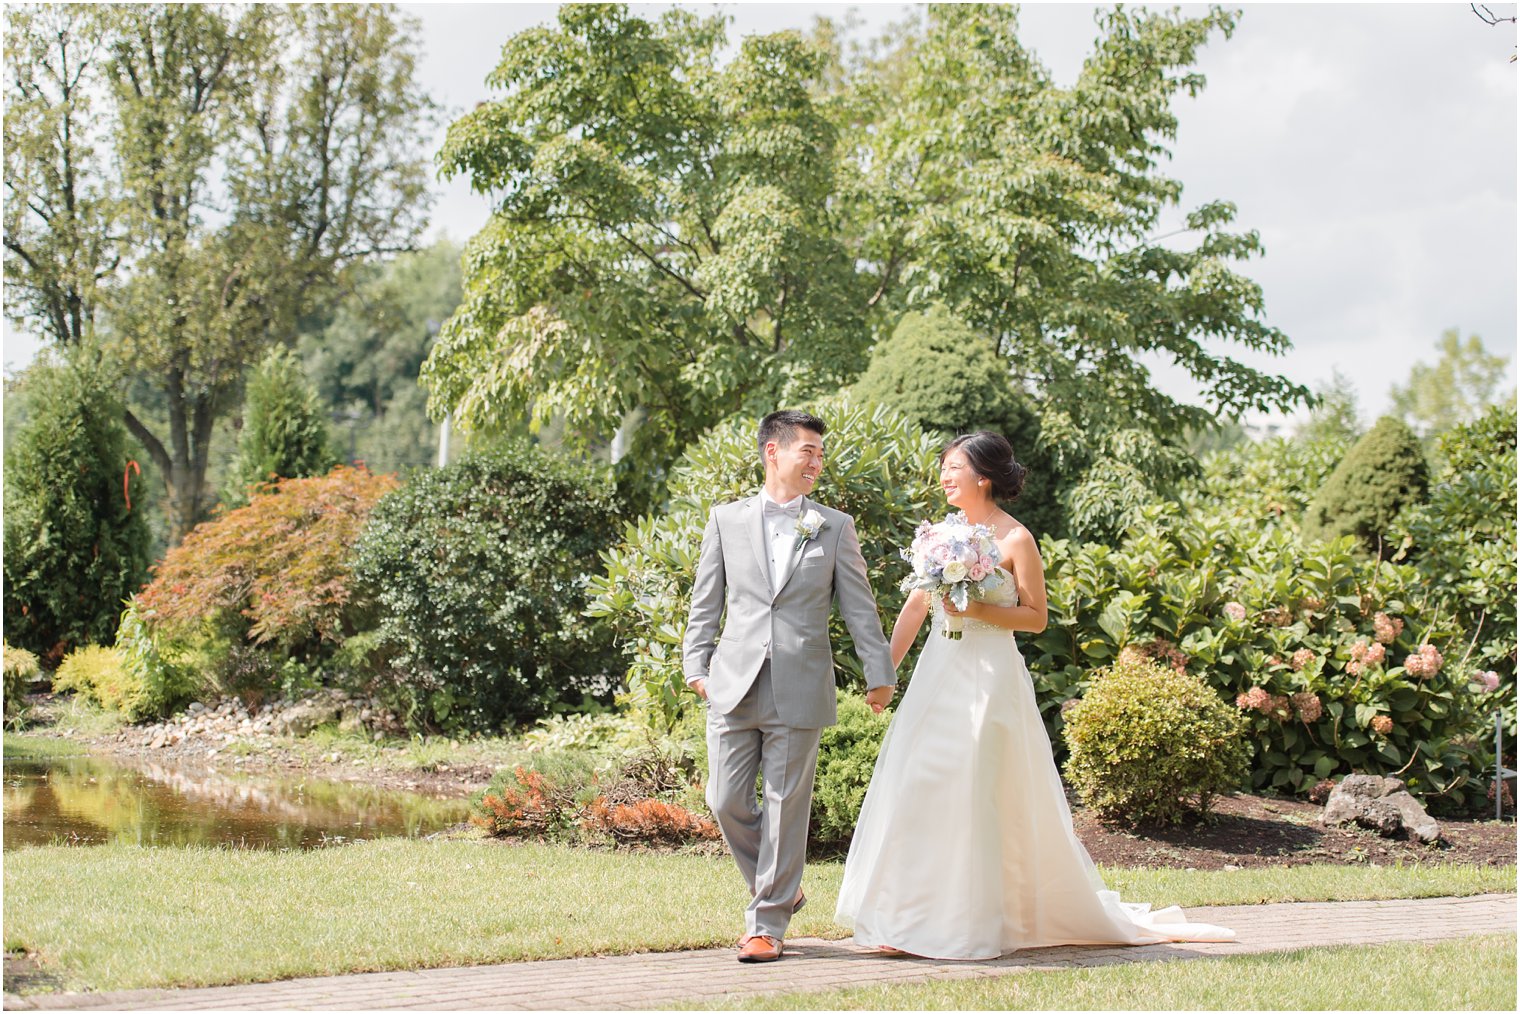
{"points": [[1372, 146]]}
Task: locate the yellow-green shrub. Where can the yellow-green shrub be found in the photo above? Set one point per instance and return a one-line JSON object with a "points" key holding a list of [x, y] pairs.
{"points": [[1149, 743], [101, 675], [21, 668]]}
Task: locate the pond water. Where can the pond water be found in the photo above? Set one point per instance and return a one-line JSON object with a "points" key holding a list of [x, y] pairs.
{"points": [[90, 800]]}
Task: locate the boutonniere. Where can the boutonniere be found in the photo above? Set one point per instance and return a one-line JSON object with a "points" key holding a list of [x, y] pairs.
{"points": [[808, 527]]}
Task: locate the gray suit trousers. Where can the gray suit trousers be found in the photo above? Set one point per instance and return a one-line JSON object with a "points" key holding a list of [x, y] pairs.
{"points": [[768, 840]]}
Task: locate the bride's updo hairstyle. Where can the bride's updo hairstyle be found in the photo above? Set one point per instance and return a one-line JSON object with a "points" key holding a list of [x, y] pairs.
{"points": [[991, 456]]}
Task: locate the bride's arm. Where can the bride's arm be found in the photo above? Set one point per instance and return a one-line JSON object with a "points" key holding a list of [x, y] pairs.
{"points": [[1030, 614], [905, 630]]}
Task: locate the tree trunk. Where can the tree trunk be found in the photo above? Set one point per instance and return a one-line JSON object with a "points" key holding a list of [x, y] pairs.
{"points": [[183, 468]]}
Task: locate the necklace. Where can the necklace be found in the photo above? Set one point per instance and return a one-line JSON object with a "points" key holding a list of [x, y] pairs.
{"points": [[984, 519]]}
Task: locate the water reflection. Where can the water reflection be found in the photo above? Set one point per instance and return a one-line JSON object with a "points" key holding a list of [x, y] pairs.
{"points": [[89, 801]]}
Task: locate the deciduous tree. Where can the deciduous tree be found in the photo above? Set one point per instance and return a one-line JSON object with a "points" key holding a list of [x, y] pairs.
{"points": [[689, 239], [254, 154]]}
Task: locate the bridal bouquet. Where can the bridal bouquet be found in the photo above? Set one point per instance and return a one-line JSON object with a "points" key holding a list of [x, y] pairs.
{"points": [[954, 558]]}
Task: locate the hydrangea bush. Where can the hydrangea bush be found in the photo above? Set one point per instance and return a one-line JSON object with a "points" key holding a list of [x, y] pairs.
{"points": [[1341, 662], [1462, 539]]}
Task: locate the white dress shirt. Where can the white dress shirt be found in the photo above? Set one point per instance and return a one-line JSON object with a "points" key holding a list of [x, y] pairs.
{"points": [[780, 536]]}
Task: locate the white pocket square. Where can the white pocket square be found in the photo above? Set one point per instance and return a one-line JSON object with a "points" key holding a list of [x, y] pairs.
{"points": [[812, 553]]}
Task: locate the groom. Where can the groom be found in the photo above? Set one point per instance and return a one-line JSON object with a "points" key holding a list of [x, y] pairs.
{"points": [[777, 560]]}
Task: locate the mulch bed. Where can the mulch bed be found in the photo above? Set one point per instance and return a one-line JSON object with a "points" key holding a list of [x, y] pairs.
{"points": [[1269, 831]]}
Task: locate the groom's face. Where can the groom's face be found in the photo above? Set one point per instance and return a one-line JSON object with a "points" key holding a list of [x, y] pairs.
{"points": [[797, 464]]}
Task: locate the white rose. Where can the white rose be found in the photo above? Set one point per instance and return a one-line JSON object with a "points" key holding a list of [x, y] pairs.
{"points": [[812, 520], [955, 571]]}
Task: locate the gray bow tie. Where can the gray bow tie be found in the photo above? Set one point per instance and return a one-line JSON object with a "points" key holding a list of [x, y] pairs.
{"points": [[792, 510]]}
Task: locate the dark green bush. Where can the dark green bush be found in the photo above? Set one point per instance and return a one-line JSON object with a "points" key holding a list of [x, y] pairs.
{"points": [[1383, 473], [1462, 540], [479, 574], [74, 549], [285, 432], [846, 757], [879, 467], [949, 380], [1150, 744]]}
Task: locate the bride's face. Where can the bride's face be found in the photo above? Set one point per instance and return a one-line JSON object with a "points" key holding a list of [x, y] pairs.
{"points": [[961, 486]]}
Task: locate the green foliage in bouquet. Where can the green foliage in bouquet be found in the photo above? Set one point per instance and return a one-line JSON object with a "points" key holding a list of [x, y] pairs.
{"points": [[284, 428], [946, 378], [846, 757], [1384, 472], [74, 547], [479, 571], [1462, 539], [878, 467], [1150, 744]]}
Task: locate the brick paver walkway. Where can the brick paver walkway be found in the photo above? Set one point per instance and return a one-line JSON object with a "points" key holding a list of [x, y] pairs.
{"points": [[658, 980]]}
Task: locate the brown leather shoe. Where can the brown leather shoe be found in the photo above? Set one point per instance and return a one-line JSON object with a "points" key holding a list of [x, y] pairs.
{"points": [[760, 948], [801, 900]]}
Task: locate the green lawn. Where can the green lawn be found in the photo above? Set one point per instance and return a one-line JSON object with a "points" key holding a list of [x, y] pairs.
{"points": [[1475, 973], [116, 916], [19, 745]]}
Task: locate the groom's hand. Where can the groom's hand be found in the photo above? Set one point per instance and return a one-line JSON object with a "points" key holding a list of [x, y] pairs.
{"points": [[879, 697], [699, 687]]}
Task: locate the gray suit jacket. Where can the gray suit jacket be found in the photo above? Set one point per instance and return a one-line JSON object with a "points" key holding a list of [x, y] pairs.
{"points": [[792, 621]]}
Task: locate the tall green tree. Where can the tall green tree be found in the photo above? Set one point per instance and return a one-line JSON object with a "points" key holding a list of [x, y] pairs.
{"points": [[1335, 415], [256, 154], [75, 547], [60, 203], [366, 358], [1465, 380], [689, 239], [285, 431], [663, 237]]}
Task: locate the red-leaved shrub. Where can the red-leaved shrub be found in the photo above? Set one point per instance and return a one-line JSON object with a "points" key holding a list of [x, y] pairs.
{"points": [[282, 562]]}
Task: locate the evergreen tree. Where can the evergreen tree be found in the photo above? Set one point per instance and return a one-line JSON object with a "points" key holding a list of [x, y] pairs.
{"points": [[76, 545], [949, 380], [1382, 473], [284, 428]]}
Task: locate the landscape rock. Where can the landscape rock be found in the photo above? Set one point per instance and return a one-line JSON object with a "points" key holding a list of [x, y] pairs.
{"points": [[1382, 804], [302, 718]]}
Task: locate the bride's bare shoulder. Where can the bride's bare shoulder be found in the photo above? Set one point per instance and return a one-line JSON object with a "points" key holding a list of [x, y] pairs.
{"points": [[1013, 534]]}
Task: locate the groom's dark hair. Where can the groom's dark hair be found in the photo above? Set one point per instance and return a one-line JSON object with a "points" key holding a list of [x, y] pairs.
{"points": [[782, 427]]}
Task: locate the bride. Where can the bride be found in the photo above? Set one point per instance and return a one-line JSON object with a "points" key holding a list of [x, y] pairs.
{"points": [[964, 847]]}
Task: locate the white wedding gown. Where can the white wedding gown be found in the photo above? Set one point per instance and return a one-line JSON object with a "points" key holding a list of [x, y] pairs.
{"points": [[965, 847]]}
